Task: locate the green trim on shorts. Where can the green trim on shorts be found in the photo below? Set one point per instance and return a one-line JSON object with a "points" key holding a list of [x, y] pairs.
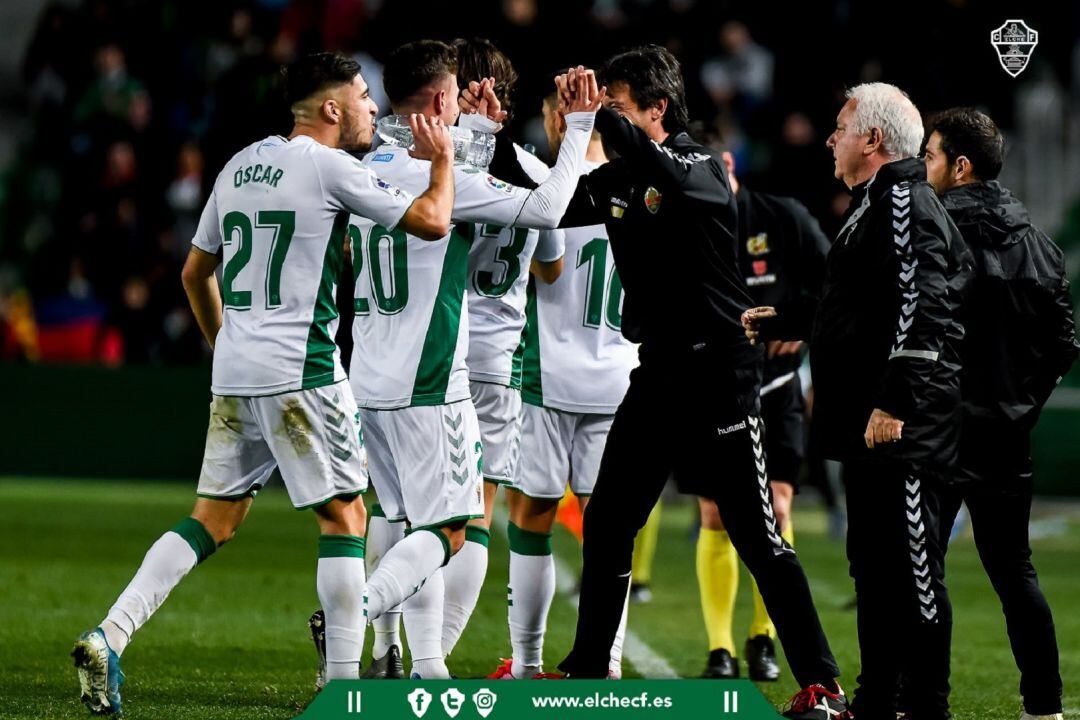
{"points": [[197, 536], [332, 546], [526, 542], [347, 495], [477, 534], [250, 493], [444, 523], [498, 481], [443, 539], [542, 497]]}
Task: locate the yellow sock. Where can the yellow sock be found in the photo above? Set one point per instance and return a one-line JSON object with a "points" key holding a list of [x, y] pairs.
{"points": [[762, 624], [718, 581], [645, 548]]}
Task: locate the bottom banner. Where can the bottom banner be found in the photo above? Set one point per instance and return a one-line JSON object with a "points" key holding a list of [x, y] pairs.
{"points": [[523, 700]]}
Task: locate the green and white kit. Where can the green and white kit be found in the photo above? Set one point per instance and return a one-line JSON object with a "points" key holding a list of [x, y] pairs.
{"points": [[498, 277], [278, 214], [411, 329], [576, 363]]}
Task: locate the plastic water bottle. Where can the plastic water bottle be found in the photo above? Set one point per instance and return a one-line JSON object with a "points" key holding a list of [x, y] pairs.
{"points": [[470, 146]]}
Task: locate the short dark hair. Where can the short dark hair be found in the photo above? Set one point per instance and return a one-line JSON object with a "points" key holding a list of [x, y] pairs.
{"points": [[313, 73], [479, 58], [968, 132], [651, 73], [415, 65]]}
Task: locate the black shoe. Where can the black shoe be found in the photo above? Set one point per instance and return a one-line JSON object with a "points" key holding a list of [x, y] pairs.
{"points": [[721, 666], [640, 593], [817, 702], [388, 667], [760, 654]]}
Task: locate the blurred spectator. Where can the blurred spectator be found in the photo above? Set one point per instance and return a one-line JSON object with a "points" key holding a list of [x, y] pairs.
{"points": [[135, 106], [740, 78]]}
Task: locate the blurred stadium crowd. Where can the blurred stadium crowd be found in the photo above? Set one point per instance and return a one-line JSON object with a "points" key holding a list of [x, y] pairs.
{"points": [[136, 105]]}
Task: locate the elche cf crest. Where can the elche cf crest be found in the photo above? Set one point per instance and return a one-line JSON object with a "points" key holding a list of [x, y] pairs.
{"points": [[1014, 43]]}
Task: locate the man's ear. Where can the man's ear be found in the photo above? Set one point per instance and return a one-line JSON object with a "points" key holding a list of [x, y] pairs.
{"points": [[439, 101], [331, 111], [873, 141], [661, 108], [962, 168]]}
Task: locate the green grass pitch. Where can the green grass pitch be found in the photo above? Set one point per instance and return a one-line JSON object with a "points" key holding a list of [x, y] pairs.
{"points": [[231, 641]]}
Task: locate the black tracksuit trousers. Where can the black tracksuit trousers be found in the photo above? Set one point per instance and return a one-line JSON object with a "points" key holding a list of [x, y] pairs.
{"points": [[999, 502], [686, 418], [896, 557]]}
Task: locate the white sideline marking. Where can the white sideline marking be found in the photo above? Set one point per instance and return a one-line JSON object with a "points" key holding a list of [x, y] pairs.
{"points": [[637, 651]]}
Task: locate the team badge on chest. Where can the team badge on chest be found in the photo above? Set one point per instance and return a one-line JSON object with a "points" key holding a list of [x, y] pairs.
{"points": [[758, 244], [652, 199]]}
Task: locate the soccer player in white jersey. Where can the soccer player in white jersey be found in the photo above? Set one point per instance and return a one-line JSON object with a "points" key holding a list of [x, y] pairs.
{"points": [[411, 333], [498, 274], [576, 368], [277, 219]]}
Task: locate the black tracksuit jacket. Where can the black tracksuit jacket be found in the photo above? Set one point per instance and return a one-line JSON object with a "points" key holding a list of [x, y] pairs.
{"points": [[672, 221], [1020, 335], [782, 255], [887, 331]]}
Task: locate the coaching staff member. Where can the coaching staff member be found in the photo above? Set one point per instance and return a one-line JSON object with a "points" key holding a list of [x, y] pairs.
{"points": [[885, 346], [1020, 339], [692, 405], [782, 257]]}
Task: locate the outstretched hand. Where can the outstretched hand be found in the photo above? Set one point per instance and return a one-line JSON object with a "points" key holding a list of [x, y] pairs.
{"points": [[479, 97], [578, 91]]}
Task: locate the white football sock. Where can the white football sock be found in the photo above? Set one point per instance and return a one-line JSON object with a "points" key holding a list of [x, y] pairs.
{"points": [[381, 536], [166, 563], [530, 594], [464, 578], [615, 663], [423, 618], [404, 568], [340, 581]]}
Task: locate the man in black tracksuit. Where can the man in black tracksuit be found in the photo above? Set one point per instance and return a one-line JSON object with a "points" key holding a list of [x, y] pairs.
{"points": [[885, 360], [782, 259], [1020, 339], [692, 407]]}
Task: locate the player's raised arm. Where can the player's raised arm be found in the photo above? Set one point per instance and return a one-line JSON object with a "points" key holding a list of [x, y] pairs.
{"points": [[486, 199], [429, 215]]}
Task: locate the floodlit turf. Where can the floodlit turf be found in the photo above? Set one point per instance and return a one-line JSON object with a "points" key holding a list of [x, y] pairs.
{"points": [[231, 641]]}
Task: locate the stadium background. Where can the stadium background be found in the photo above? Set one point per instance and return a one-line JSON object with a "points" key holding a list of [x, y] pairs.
{"points": [[115, 117]]}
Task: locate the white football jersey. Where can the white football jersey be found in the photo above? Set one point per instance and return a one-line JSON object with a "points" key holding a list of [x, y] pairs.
{"points": [[498, 277], [279, 213], [575, 357], [411, 331]]}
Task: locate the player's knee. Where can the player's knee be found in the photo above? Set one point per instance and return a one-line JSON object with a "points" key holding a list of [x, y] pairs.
{"points": [[342, 516], [710, 515], [457, 539]]}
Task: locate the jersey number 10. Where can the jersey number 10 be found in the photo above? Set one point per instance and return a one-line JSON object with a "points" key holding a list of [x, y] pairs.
{"points": [[594, 254]]}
